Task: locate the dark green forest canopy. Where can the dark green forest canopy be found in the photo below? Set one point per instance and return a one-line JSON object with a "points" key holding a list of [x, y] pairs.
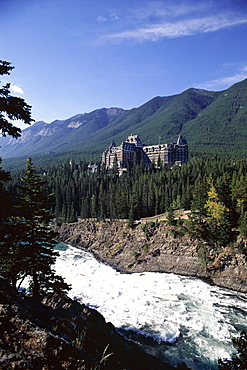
{"points": [[77, 192]]}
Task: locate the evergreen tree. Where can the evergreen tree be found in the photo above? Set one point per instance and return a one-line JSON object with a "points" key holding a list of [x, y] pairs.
{"points": [[38, 240], [243, 224], [196, 223], [5, 199], [9, 232], [131, 220], [121, 203], [11, 107], [136, 201], [199, 197], [94, 206], [115, 168], [170, 217]]}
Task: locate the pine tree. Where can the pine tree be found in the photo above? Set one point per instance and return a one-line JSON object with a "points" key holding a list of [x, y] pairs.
{"points": [[199, 195], [170, 217], [38, 240], [115, 168], [196, 223], [4, 195], [11, 108], [136, 201], [9, 233], [94, 206], [243, 225], [131, 220]]}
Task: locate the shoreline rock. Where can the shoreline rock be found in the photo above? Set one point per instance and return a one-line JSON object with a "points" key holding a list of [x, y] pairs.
{"points": [[56, 332], [157, 248]]}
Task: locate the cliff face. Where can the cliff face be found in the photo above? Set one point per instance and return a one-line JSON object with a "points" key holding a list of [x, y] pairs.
{"points": [[158, 248], [59, 333]]}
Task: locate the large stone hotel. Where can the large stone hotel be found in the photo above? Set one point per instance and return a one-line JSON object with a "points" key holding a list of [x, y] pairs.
{"points": [[169, 154]]}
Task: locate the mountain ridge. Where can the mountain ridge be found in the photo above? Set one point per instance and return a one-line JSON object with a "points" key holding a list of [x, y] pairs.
{"points": [[207, 119]]}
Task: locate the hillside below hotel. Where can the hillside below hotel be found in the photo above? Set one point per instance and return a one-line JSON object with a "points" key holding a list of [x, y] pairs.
{"points": [[125, 154]]}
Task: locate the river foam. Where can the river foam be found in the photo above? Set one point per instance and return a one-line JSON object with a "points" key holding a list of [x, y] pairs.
{"points": [[195, 318]]}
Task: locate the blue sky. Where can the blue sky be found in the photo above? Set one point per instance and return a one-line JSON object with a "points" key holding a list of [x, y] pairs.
{"points": [[75, 56]]}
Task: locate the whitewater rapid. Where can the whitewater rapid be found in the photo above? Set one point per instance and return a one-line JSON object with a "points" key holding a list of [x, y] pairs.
{"points": [[196, 319]]}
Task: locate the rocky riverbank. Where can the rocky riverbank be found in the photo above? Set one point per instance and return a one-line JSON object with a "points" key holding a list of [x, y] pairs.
{"points": [[157, 247], [56, 332]]}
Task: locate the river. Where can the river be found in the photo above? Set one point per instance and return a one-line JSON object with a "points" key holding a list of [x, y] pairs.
{"points": [[176, 318]]}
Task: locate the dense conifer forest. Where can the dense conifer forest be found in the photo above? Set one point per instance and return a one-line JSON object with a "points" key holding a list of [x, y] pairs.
{"points": [[213, 189]]}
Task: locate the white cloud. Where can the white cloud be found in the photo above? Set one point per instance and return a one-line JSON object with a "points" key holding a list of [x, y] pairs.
{"points": [[101, 19], [161, 10], [111, 17], [114, 16], [226, 81], [16, 89], [177, 29]]}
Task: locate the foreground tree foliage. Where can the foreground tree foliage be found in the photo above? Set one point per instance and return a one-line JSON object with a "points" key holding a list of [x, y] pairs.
{"points": [[28, 248], [8, 259], [38, 240], [26, 241], [11, 107]]}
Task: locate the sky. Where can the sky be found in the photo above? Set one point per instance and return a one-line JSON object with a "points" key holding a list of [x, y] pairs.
{"points": [[76, 56]]}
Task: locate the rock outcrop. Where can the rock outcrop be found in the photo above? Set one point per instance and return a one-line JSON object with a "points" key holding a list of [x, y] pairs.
{"points": [[55, 333], [159, 248]]}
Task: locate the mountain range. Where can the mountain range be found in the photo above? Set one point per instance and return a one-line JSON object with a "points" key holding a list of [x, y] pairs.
{"points": [[214, 123]]}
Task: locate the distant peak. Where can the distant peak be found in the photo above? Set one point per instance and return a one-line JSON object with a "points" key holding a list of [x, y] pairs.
{"points": [[114, 111]]}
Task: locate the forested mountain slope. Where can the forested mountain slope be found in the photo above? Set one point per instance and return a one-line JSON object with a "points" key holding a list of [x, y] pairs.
{"points": [[221, 127], [212, 123]]}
